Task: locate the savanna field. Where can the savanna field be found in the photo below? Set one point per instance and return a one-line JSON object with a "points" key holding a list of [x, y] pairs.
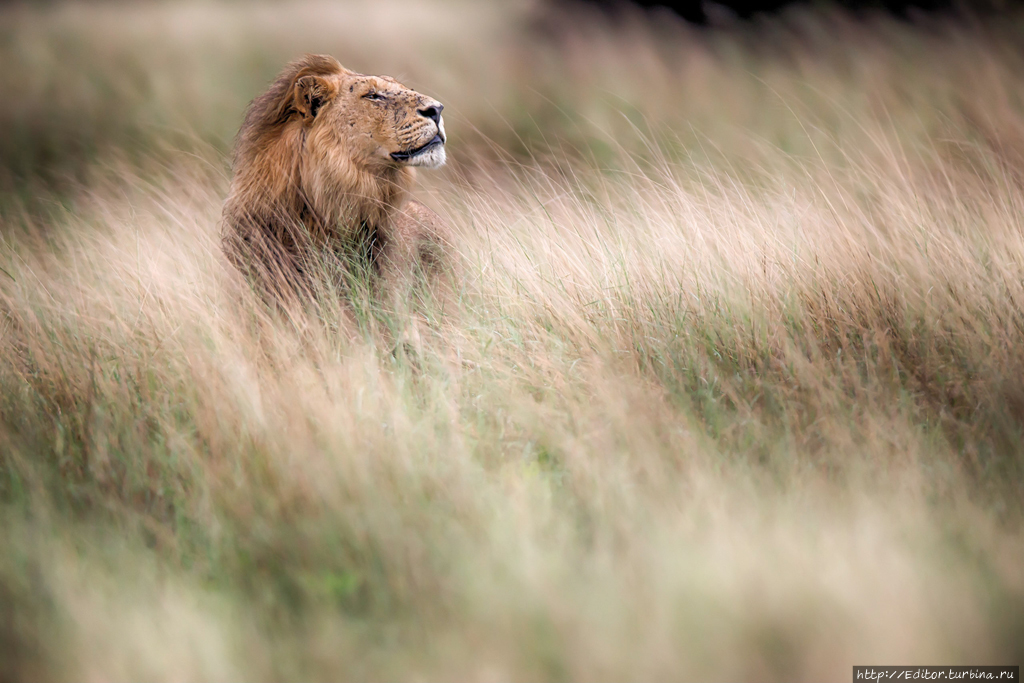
{"points": [[730, 385]]}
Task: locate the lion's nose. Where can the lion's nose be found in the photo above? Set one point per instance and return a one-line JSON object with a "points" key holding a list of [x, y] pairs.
{"points": [[433, 112]]}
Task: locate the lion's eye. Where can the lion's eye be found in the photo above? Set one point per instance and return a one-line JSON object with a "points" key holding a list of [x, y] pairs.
{"points": [[376, 96]]}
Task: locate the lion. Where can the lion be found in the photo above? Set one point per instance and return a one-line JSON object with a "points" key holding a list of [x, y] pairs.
{"points": [[324, 160]]}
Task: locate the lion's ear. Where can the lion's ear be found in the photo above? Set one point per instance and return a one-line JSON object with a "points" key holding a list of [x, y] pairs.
{"points": [[310, 93]]}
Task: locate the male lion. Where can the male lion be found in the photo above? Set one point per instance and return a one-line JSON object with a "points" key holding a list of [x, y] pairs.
{"points": [[323, 161]]}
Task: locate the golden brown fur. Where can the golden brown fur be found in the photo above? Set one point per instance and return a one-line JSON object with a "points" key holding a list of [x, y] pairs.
{"points": [[324, 160]]}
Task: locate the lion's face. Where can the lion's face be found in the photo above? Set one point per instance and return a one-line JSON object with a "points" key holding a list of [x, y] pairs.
{"points": [[379, 121]]}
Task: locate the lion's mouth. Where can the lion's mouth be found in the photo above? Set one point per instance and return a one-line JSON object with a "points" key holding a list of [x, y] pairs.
{"points": [[436, 141]]}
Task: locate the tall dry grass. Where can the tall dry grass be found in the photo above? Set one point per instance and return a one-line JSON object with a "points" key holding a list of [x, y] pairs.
{"points": [[730, 387]]}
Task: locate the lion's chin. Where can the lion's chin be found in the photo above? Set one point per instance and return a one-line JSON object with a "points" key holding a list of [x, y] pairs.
{"points": [[430, 155], [429, 158]]}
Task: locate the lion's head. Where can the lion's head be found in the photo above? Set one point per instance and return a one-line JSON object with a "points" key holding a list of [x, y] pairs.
{"points": [[379, 122], [327, 151]]}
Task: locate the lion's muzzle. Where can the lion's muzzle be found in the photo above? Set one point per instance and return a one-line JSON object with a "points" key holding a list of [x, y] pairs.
{"points": [[430, 154]]}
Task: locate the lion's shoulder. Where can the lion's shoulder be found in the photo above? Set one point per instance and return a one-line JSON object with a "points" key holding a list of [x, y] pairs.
{"points": [[422, 215], [421, 230]]}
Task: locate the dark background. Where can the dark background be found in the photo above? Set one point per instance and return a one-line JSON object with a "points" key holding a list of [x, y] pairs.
{"points": [[703, 12]]}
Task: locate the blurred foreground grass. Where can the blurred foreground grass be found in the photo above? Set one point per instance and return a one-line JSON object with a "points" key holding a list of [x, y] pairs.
{"points": [[732, 388]]}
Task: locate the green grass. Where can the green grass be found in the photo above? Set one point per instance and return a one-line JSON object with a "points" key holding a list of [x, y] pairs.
{"points": [[729, 386]]}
